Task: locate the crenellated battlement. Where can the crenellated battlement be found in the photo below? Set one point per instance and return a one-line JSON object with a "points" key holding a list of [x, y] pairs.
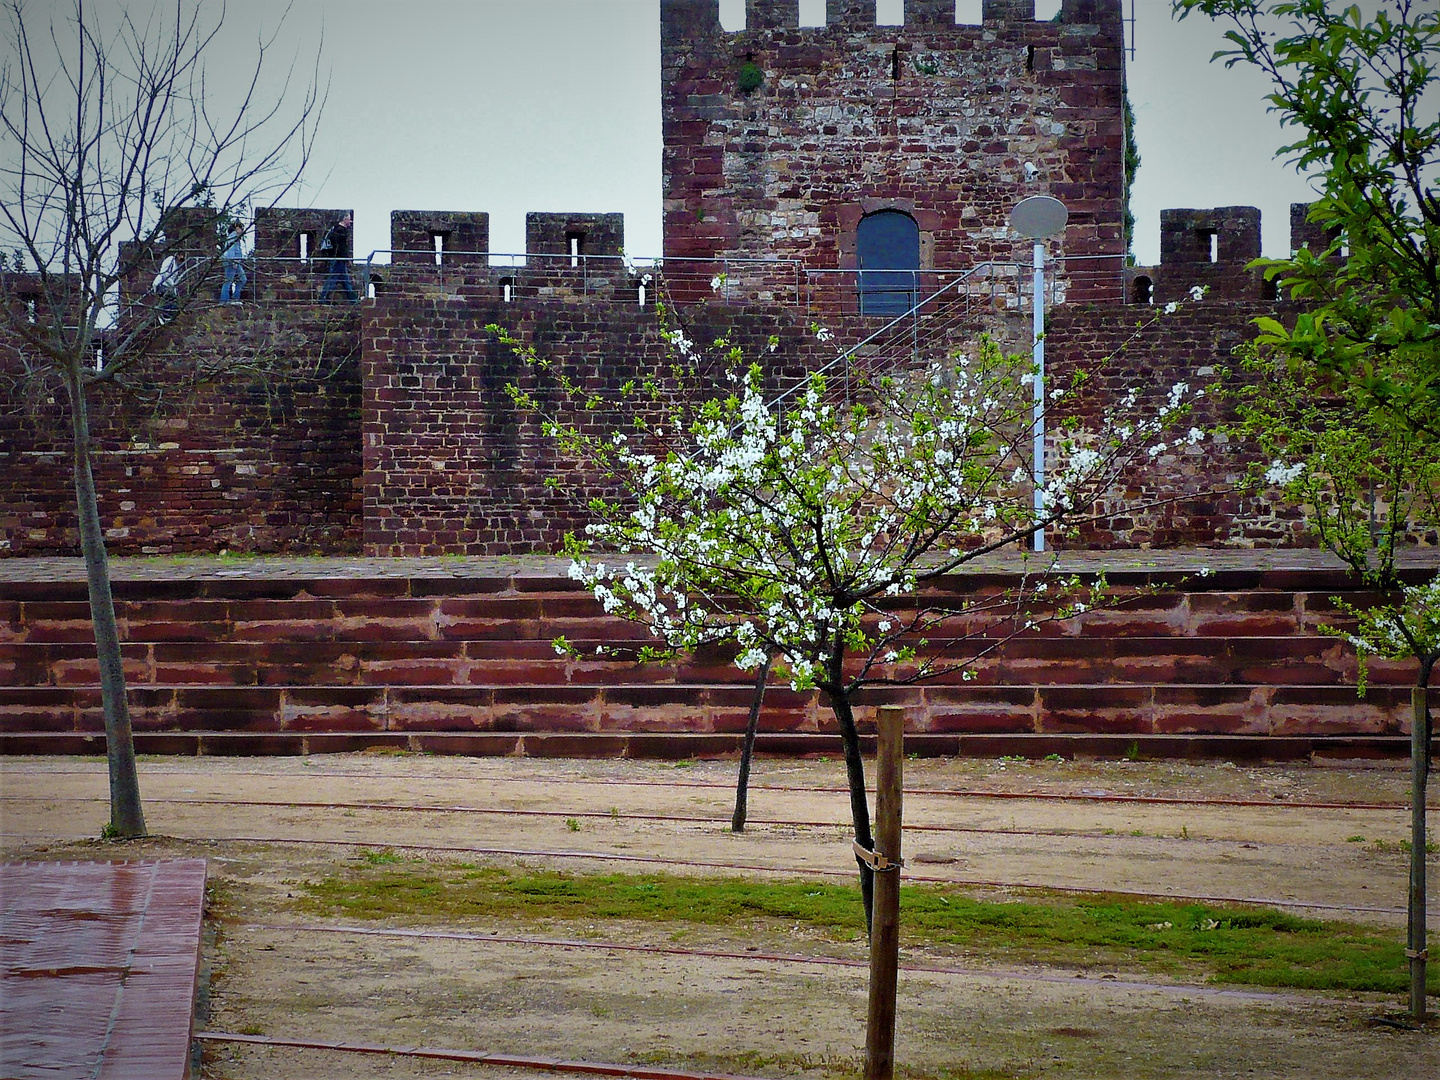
{"points": [[1211, 249], [439, 237], [694, 19]]}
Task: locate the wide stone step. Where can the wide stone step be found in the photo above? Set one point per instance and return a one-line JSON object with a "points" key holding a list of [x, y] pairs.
{"points": [[250, 659], [1135, 709], [1297, 659], [677, 746]]}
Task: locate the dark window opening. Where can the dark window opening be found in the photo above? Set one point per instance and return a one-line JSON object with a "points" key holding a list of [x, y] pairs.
{"points": [[1269, 288], [575, 244], [1142, 290], [1209, 244], [1029, 57], [507, 289], [888, 248]]}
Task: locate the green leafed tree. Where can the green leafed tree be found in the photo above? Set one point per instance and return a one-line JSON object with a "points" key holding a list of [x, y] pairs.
{"points": [[118, 152], [1347, 404], [817, 532], [1358, 88], [1369, 485]]}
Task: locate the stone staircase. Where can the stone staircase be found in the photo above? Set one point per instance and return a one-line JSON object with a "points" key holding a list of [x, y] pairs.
{"points": [[1232, 666]]}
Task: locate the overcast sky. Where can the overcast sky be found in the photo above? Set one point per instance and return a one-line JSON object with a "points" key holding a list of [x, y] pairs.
{"points": [[514, 105]]}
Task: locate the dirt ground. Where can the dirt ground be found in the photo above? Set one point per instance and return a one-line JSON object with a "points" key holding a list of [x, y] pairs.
{"points": [[746, 1001]]}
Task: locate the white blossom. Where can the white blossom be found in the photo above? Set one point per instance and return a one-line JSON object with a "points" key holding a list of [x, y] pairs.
{"points": [[1281, 474]]}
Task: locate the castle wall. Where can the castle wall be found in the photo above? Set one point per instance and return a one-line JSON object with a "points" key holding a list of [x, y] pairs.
{"points": [[1156, 504], [931, 118], [448, 464], [452, 466], [264, 459], [388, 427], [439, 237]]}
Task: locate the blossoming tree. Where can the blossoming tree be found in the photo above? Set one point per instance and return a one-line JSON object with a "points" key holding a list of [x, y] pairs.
{"points": [[815, 533]]}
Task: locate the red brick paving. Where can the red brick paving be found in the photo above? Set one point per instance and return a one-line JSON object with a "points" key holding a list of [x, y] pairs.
{"points": [[97, 969]]}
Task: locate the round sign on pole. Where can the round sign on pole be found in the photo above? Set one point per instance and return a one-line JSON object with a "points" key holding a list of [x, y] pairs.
{"points": [[1039, 216]]}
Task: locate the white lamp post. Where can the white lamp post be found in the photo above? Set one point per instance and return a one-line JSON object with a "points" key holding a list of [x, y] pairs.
{"points": [[1038, 217]]}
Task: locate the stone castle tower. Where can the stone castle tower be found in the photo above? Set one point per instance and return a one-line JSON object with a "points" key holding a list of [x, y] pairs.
{"points": [[841, 144]]}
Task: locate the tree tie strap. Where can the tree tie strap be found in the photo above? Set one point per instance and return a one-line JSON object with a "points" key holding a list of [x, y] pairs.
{"points": [[873, 859], [1423, 954]]}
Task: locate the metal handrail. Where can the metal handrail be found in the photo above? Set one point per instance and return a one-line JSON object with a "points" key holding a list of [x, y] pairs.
{"points": [[581, 261], [912, 316]]}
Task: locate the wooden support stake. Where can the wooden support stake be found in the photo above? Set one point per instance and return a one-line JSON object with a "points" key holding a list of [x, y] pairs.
{"points": [[885, 927], [1418, 767]]}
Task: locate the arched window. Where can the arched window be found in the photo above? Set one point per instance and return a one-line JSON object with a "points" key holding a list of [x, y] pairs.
{"points": [[888, 246], [1141, 290]]}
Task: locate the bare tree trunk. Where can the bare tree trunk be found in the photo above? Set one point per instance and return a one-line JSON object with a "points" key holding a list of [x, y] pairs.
{"points": [[126, 817], [885, 931], [1419, 769], [859, 808], [747, 748]]}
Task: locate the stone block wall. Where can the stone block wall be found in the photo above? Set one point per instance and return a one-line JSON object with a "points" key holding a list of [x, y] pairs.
{"points": [[451, 465], [266, 458], [931, 118], [594, 234], [1155, 506], [456, 237], [1232, 666]]}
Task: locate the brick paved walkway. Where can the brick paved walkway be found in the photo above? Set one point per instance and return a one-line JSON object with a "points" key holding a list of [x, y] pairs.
{"points": [[97, 969]]}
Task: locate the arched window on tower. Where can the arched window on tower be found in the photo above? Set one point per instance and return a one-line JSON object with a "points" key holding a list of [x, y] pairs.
{"points": [[888, 247]]}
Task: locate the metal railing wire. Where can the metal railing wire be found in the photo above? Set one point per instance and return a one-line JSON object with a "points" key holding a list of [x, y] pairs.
{"points": [[900, 341]]}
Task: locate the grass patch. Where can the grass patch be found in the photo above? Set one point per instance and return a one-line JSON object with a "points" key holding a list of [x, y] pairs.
{"points": [[1248, 945]]}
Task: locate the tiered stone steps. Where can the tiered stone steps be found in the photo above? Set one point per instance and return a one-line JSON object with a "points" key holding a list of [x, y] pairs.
{"points": [[1233, 665]]}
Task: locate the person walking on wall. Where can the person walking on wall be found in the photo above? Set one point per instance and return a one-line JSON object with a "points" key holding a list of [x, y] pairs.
{"points": [[166, 287], [336, 248], [234, 261]]}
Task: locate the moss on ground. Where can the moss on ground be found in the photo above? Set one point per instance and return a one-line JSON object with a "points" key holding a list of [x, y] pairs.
{"points": [[1234, 944]]}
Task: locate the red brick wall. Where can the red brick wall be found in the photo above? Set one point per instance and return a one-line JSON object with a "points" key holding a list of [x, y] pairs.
{"points": [[247, 462], [1193, 345], [452, 466]]}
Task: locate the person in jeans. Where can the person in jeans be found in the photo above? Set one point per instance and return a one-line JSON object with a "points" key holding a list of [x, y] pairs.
{"points": [[336, 247], [233, 259]]}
